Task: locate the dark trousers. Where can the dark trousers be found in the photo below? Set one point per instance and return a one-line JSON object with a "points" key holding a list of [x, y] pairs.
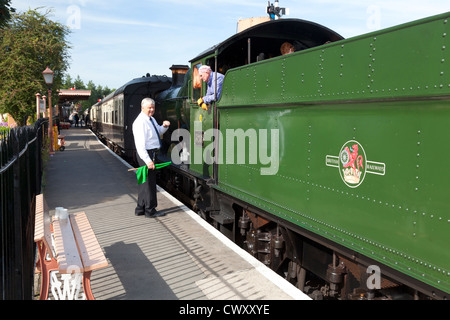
{"points": [[147, 201]]}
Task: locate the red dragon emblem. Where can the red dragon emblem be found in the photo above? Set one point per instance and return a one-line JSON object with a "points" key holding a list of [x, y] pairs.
{"points": [[354, 157]]}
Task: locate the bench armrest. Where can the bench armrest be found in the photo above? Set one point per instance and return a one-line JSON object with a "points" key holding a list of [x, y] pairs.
{"points": [[42, 229]]}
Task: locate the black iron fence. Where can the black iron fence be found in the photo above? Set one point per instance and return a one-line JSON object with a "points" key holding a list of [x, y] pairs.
{"points": [[20, 180]]}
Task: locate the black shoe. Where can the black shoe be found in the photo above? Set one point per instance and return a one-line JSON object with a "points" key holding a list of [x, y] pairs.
{"points": [[139, 211], [155, 214], [149, 214]]}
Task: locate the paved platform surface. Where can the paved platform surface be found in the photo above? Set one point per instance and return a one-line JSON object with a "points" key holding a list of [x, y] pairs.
{"points": [[175, 257]]}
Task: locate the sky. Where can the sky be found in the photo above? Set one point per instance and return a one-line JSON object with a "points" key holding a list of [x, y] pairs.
{"points": [[115, 41]]}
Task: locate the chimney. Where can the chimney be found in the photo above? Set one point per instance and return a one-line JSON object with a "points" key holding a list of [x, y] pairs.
{"points": [[178, 73]]}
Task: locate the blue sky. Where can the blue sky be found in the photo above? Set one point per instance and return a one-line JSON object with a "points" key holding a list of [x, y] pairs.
{"points": [[114, 41]]}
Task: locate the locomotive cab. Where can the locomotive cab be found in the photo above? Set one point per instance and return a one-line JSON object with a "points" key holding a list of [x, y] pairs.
{"points": [[262, 42], [253, 45]]}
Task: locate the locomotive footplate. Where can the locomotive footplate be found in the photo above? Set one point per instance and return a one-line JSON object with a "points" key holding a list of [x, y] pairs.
{"points": [[222, 217], [225, 214]]}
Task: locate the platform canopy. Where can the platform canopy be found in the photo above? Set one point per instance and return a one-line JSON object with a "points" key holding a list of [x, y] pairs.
{"points": [[69, 95]]}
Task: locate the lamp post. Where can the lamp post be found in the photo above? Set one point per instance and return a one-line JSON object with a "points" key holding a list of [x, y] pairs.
{"points": [[48, 77]]}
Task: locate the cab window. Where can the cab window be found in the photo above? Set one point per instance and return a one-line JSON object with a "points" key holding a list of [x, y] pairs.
{"points": [[196, 83]]}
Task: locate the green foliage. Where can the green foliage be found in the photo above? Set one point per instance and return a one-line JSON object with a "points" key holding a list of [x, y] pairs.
{"points": [[5, 12], [3, 130], [28, 44]]}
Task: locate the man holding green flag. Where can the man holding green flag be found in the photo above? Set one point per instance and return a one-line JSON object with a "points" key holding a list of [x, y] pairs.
{"points": [[147, 140]]}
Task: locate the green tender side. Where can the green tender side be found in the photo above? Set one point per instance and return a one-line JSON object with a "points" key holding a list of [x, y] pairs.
{"points": [[386, 93]]}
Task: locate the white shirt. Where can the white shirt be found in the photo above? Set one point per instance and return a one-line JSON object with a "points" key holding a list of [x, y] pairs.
{"points": [[145, 136]]}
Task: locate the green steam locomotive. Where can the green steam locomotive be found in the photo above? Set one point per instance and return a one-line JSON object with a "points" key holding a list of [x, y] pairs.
{"points": [[323, 163]]}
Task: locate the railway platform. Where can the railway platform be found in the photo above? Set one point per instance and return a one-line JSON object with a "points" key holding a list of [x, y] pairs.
{"points": [[174, 257]]}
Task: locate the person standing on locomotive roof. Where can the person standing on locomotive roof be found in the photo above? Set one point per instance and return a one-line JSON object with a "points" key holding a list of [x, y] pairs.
{"points": [[146, 132], [207, 75]]}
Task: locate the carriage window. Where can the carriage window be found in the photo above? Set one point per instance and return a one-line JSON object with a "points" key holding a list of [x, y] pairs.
{"points": [[121, 111]]}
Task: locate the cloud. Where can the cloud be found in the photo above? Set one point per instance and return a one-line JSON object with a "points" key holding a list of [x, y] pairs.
{"points": [[228, 3], [118, 21]]}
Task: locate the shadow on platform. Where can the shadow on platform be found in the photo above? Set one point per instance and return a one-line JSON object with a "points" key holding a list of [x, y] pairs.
{"points": [[139, 278]]}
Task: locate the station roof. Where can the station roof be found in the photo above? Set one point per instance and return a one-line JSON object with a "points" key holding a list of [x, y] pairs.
{"points": [[68, 95]]}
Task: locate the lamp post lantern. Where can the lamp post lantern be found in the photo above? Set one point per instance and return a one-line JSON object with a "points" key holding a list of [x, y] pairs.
{"points": [[48, 77]]}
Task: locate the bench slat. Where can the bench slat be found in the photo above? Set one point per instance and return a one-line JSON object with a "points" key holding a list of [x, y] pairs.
{"points": [[39, 219], [42, 228], [66, 248], [90, 250]]}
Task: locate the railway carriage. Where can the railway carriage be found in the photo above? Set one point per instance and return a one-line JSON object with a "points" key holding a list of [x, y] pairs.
{"points": [[112, 117], [323, 163]]}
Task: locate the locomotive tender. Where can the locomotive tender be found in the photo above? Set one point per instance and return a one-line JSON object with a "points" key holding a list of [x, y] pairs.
{"points": [[324, 163]]}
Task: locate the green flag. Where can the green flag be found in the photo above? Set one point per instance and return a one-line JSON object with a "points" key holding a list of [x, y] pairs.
{"points": [[142, 172], [162, 165]]}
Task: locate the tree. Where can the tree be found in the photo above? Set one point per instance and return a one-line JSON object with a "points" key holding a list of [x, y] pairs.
{"points": [[28, 44], [97, 92], [5, 12]]}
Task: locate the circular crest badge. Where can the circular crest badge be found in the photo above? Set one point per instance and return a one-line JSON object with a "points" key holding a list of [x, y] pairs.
{"points": [[352, 163]]}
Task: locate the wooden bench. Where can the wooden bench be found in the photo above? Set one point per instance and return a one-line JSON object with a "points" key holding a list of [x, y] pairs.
{"points": [[69, 247]]}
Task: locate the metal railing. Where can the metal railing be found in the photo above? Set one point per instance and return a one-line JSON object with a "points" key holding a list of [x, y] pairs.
{"points": [[21, 171]]}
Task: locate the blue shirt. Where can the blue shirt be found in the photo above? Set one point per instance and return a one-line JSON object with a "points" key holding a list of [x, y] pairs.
{"points": [[211, 87]]}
